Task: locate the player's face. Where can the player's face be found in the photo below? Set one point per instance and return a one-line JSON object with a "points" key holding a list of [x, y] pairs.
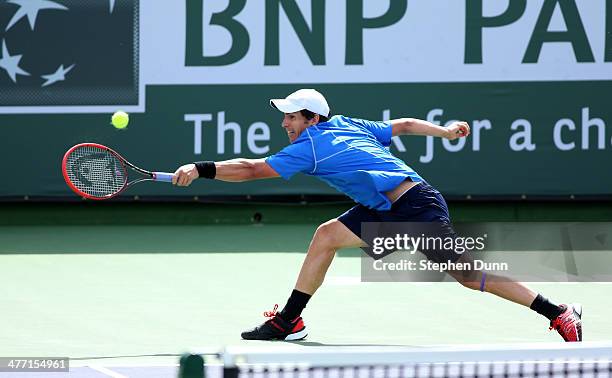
{"points": [[295, 123]]}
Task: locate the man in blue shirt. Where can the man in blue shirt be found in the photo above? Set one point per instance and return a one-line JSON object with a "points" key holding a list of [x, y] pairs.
{"points": [[349, 154]]}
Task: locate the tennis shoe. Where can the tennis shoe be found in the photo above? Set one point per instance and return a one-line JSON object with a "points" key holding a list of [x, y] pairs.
{"points": [[277, 328], [569, 323]]}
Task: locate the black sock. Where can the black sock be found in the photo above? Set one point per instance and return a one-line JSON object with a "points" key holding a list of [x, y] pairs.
{"points": [[542, 306], [295, 305]]}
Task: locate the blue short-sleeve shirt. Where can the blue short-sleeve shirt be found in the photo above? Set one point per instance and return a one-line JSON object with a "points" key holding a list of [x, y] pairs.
{"points": [[348, 154]]}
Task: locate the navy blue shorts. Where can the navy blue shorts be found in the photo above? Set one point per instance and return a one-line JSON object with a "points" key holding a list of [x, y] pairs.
{"points": [[422, 206]]}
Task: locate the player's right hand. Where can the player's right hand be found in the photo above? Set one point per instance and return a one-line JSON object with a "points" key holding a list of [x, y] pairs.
{"points": [[185, 175]]}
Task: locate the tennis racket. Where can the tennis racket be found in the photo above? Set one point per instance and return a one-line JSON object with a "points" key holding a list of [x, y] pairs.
{"points": [[97, 172]]}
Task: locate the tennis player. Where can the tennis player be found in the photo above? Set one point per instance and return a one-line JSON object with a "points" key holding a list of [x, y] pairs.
{"points": [[349, 154]]}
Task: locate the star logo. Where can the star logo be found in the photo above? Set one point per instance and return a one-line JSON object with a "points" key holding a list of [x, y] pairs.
{"points": [[58, 75], [10, 63], [30, 9], [53, 53]]}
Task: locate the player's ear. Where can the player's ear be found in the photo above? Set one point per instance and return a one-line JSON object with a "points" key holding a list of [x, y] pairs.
{"points": [[315, 119]]}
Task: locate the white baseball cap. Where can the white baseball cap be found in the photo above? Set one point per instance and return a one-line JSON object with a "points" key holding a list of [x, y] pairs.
{"points": [[308, 99]]}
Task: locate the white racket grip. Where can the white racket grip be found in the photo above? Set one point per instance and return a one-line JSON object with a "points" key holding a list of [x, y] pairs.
{"points": [[162, 176]]}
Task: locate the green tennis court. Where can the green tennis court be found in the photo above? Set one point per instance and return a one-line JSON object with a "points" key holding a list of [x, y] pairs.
{"points": [[126, 249], [109, 291]]}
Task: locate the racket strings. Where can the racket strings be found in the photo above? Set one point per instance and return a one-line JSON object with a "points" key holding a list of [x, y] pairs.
{"points": [[95, 171]]}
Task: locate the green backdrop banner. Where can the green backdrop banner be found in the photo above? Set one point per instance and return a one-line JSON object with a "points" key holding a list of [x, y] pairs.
{"points": [[533, 78], [532, 138]]}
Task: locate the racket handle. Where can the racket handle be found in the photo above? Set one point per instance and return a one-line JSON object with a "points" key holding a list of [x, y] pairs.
{"points": [[162, 176]]}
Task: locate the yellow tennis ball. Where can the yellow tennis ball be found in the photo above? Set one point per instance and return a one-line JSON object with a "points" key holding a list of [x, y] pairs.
{"points": [[120, 119]]}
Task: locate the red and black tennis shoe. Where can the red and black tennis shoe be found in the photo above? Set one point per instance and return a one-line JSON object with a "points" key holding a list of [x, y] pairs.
{"points": [[569, 323], [277, 328]]}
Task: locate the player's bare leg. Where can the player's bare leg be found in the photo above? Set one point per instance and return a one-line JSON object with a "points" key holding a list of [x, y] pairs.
{"points": [[288, 324], [329, 237], [566, 319], [501, 286]]}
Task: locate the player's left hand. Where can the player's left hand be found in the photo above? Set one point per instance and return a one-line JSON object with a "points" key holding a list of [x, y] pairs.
{"points": [[185, 175], [457, 130]]}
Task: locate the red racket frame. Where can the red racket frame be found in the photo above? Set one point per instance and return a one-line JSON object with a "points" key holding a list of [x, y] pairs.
{"points": [[102, 147]]}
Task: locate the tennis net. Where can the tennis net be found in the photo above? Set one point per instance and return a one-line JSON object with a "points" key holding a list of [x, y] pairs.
{"points": [[532, 360]]}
